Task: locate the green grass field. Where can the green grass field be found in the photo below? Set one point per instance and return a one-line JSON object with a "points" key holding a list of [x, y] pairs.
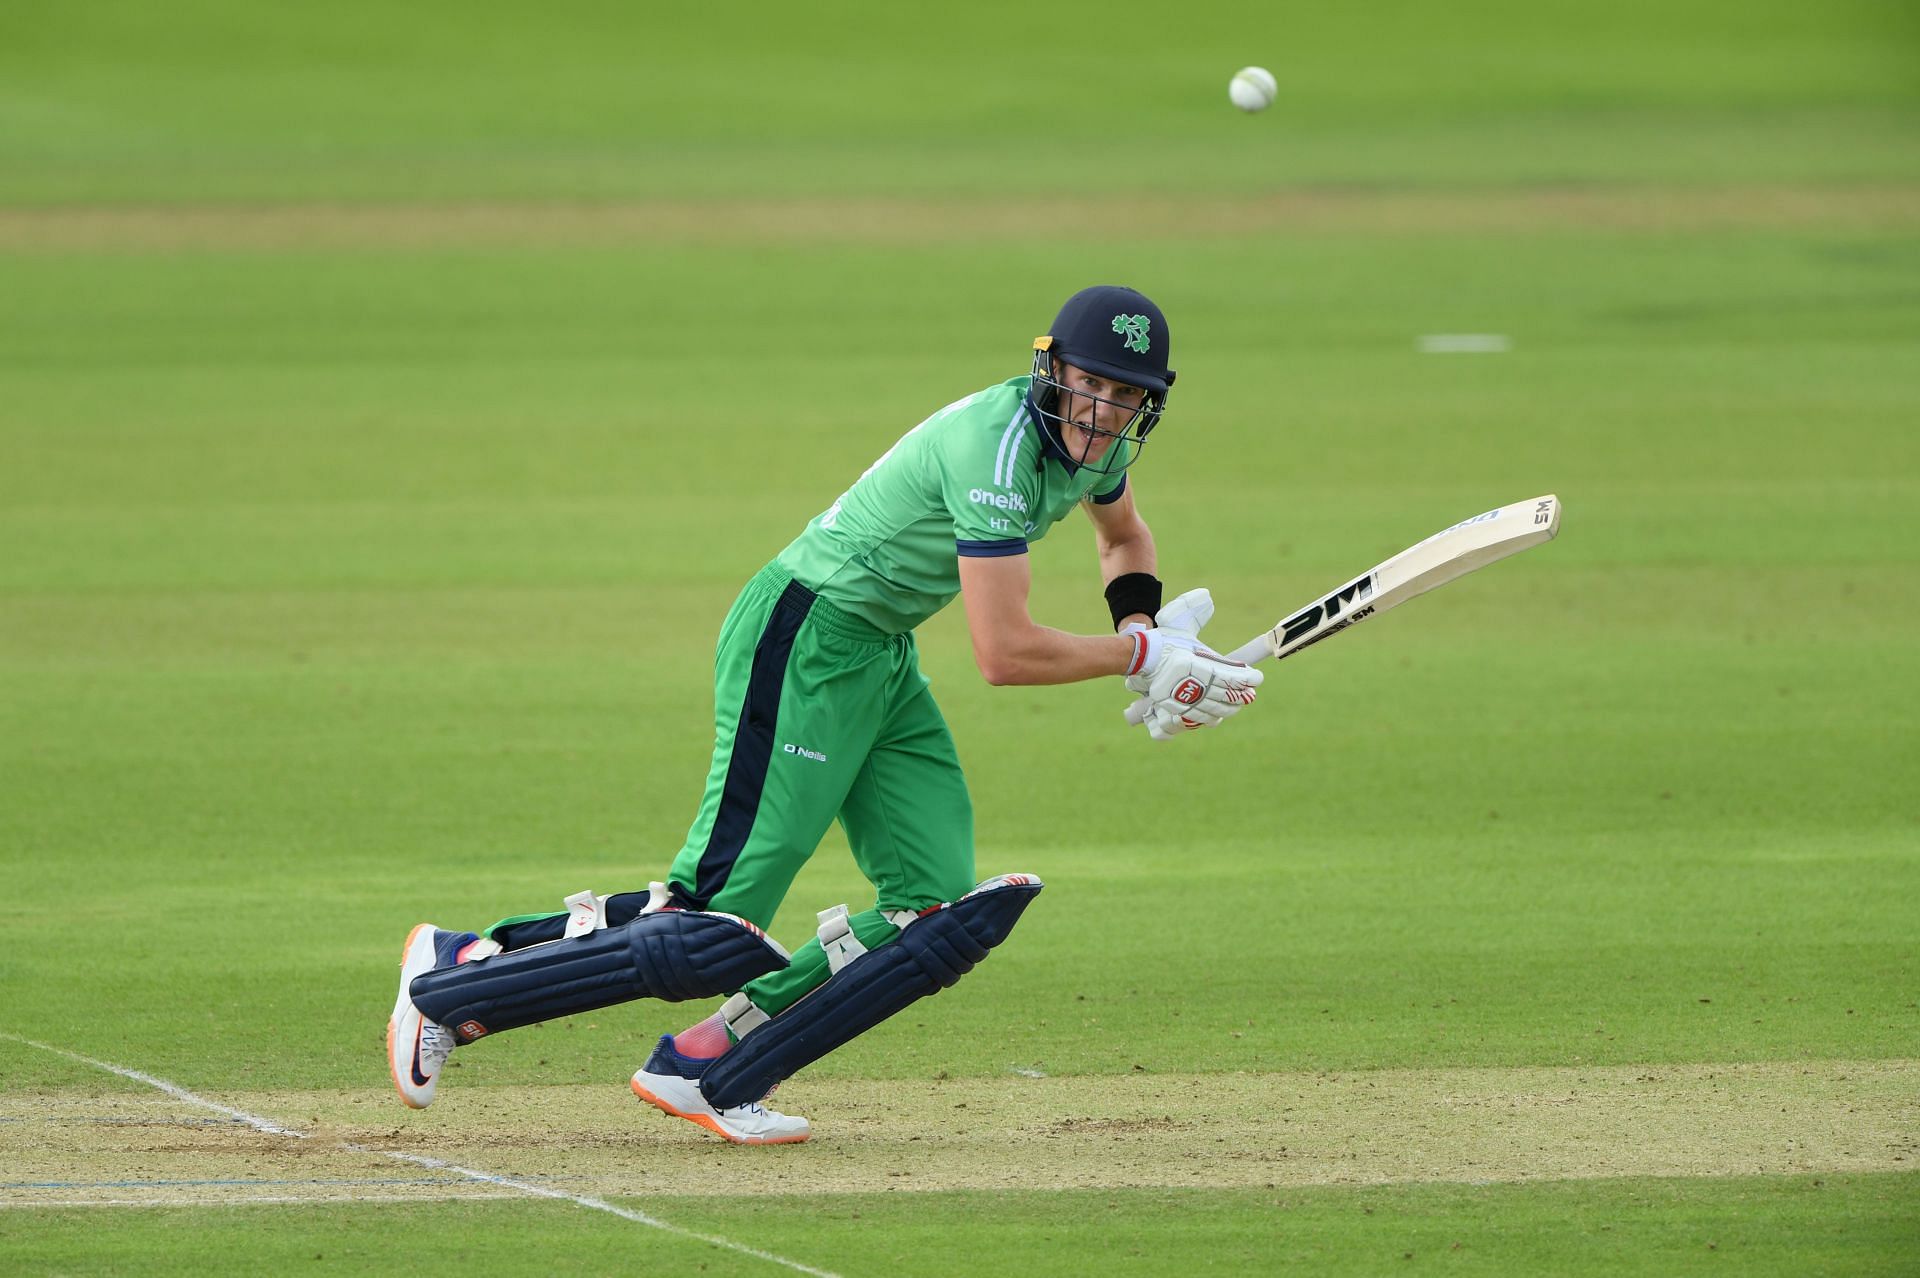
{"points": [[391, 404]]}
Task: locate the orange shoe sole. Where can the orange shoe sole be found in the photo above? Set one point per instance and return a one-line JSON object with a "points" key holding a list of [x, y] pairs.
{"points": [[707, 1121]]}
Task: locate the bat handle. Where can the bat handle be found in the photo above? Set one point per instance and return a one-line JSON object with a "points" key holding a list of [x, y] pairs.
{"points": [[1253, 650]]}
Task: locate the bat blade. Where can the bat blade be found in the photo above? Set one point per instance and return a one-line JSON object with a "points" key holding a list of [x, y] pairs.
{"points": [[1449, 554]]}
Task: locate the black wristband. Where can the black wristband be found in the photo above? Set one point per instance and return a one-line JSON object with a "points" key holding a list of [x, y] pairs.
{"points": [[1133, 592]]}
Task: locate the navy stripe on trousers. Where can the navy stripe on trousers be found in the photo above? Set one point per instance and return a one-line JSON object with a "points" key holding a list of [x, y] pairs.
{"points": [[752, 744]]}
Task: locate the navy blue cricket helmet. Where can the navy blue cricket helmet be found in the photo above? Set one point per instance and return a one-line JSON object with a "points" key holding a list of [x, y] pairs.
{"points": [[1116, 333]]}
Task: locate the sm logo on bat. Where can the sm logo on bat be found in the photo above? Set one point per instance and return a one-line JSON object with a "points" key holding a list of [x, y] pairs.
{"points": [[1310, 617]]}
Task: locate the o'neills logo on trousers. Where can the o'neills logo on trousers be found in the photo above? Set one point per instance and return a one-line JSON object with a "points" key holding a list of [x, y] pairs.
{"points": [[805, 753]]}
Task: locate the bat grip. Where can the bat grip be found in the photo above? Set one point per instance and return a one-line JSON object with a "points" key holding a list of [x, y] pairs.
{"points": [[1253, 650]]}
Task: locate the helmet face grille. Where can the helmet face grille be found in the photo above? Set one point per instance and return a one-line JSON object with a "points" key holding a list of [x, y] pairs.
{"points": [[1055, 403]]}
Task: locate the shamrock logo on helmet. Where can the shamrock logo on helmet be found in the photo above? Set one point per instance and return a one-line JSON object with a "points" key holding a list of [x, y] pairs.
{"points": [[1134, 329]]}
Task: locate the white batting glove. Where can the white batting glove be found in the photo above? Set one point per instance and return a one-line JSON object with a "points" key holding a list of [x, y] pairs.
{"points": [[1189, 613], [1185, 684], [1194, 687], [1175, 623]]}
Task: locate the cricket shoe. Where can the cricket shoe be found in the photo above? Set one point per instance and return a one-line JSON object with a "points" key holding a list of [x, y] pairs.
{"points": [[417, 1048], [671, 1082]]}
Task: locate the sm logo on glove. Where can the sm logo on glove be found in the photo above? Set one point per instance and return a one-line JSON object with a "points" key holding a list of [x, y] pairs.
{"points": [[1189, 692]]}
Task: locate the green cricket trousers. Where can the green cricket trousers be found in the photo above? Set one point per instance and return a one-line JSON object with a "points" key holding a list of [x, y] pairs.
{"points": [[818, 716]]}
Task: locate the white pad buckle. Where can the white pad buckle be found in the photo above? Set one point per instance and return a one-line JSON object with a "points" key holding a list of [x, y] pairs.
{"points": [[741, 1016], [659, 896], [585, 913], [837, 939]]}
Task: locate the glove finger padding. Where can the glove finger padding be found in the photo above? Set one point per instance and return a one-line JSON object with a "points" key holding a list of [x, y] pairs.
{"points": [[1205, 714], [1224, 694], [1165, 726], [1189, 613], [1173, 718], [1186, 677]]}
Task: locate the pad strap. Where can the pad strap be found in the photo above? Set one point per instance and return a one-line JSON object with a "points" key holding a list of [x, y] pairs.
{"points": [[837, 938], [585, 913], [741, 1016]]}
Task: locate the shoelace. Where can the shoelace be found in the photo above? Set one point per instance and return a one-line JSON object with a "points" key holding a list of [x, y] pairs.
{"points": [[436, 1044]]}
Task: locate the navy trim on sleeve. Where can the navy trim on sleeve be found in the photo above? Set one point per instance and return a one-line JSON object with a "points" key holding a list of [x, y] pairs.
{"points": [[990, 549], [1107, 499]]}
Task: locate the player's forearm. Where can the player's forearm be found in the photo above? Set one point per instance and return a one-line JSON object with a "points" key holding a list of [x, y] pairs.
{"points": [[1042, 655], [1133, 552], [1129, 551]]}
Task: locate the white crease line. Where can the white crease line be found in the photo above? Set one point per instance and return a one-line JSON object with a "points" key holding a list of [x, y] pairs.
{"points": [[178, 1093], [538, 1191]]}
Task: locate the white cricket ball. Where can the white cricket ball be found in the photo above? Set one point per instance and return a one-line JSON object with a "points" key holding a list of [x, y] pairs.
{"points": [[1253, 88]]}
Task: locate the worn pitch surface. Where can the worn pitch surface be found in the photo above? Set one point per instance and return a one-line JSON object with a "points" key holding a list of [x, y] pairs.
{"points": [[1466, 1125]]}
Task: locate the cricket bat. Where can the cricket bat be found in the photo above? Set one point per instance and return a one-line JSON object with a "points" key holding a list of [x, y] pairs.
{"points": [[1450, 553]]}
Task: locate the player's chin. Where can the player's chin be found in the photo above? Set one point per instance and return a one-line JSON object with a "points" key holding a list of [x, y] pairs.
{"points": [[1090, 448]]}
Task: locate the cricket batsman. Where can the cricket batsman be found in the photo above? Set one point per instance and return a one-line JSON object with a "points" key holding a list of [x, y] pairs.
{"points": [[821, 713]]}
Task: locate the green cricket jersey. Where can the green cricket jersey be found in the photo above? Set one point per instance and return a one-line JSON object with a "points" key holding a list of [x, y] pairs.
{"points": [[979, 477]]}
